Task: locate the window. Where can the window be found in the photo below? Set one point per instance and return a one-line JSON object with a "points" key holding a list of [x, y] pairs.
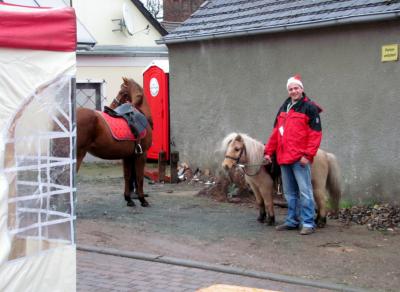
{"points": [[90, 94]]}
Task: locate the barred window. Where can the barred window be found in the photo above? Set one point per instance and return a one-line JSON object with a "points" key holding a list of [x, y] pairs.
{"points": [[90, 94]]}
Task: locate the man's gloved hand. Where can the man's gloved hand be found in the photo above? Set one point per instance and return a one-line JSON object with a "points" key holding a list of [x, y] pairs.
{"points": [[267, 159], [304, 161]]}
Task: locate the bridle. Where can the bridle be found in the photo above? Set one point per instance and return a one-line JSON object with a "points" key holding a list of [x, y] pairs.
{"points": [[244, 166], [121, 100], [237, 159]]}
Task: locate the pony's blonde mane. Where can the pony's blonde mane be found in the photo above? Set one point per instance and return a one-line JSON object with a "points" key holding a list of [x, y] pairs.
{"points": [[254, 148]]}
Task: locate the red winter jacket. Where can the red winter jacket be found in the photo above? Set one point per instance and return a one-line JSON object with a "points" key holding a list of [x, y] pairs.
{"points": [[296, 133]]}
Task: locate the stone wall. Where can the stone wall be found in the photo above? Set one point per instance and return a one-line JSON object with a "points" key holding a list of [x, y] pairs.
{"points": [[226, 85]]}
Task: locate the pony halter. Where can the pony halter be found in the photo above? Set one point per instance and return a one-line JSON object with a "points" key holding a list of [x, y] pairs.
{"points": [[124, 97], [236, 159], [243, 166], [115, 100], [120, 101]]}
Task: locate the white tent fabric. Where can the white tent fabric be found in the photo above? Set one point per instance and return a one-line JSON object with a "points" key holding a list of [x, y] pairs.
{"points": [[37, 164]]}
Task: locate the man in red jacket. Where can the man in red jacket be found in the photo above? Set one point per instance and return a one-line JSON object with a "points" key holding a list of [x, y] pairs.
{"points": [[295, 140]]}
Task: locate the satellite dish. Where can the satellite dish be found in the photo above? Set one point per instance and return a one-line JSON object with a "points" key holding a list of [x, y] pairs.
{"points": [[128, 19]]}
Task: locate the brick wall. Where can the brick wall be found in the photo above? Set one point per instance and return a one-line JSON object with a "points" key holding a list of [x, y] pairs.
{"points": [[179, 10]]}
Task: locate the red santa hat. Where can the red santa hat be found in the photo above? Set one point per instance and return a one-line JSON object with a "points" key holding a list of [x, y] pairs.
{"points": [[295, 79]]}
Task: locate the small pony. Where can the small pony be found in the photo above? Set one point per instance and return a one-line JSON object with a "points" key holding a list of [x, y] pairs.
{"points": [[242, 150]]}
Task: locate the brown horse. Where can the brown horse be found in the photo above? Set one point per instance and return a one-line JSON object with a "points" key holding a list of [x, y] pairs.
{"points": [[242, 150], [94, 137]]}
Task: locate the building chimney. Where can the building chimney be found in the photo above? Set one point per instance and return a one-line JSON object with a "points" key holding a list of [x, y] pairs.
{"points": [[179, 10]]}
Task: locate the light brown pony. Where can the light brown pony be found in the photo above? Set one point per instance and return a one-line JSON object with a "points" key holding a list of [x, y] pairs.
{"points": [[240, 149], [94, 137]]}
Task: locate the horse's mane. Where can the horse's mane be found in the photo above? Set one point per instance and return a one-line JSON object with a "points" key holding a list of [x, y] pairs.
{"points": [[254, 148], [141, 104]]}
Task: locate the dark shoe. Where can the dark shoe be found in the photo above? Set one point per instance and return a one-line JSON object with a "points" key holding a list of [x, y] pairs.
{"points": [[306, 230], [283, 227]]}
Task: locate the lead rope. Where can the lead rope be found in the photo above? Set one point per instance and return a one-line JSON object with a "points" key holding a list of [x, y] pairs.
{"points": [[243, 166]]}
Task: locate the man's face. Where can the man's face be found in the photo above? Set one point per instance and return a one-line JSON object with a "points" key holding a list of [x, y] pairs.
{"points": [[295, 91]]}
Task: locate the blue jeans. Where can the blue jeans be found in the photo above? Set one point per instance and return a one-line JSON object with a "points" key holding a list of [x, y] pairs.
{"points": [[296, 181]]}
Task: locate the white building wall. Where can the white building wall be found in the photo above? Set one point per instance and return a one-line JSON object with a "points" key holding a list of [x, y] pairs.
{"points": [[97, 16]]}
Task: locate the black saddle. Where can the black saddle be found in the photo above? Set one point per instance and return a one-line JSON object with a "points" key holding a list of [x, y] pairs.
{"points": [[137, 122]]}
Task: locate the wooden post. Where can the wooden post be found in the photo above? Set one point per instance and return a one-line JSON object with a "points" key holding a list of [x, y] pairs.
{"points": [[161, 166], [174, 166]]}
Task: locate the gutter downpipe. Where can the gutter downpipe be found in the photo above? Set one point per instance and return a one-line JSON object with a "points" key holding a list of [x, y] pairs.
{"points": [[306, 25]]}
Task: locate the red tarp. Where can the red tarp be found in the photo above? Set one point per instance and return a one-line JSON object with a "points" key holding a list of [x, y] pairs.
{"points": [[37, 28]]}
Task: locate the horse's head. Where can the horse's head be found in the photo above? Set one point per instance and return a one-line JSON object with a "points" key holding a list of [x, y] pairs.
{"points": [[234, 147], [137, 97], [131, 92], [134, 91]]}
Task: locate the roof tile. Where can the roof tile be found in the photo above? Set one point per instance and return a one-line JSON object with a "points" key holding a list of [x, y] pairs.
{"points": [[222, 17]]}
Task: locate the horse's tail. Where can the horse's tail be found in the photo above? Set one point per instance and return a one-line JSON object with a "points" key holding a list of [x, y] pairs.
{"points": [[333, 182]]}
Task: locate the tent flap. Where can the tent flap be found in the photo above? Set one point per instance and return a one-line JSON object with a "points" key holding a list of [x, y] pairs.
{"points": [[38, 28]]}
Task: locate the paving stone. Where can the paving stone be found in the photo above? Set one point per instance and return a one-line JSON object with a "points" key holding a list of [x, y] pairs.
{"points": [[99, 272]]}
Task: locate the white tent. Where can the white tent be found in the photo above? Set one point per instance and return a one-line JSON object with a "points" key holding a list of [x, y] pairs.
{"points": [[37, 140]]}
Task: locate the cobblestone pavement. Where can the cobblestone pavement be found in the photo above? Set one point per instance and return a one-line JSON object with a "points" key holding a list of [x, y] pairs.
{"points": [[100, 272]]}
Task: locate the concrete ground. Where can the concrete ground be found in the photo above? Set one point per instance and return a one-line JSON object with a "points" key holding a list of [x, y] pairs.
{"points": [[183, 225]]}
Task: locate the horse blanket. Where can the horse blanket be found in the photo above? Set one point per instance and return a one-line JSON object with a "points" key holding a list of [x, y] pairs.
{"points": [[120, 129]]}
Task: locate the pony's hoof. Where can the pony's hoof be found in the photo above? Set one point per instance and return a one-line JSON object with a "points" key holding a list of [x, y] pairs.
{"points": [[261, 219], [129, 201], [321, 222], [144, 203], [271, 221]]}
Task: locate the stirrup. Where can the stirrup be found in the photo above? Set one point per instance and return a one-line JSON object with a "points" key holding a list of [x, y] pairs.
{"points": [[138, 149]]}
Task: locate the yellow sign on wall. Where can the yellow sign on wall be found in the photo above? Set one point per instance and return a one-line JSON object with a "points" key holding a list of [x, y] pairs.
{"points": [[390, 53]]}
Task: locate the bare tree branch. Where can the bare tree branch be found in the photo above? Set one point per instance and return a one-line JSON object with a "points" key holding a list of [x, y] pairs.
{"points": [[154, 7]]}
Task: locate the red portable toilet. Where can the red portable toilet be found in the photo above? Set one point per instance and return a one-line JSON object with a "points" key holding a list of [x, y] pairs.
{"points": [[155, 84]]}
